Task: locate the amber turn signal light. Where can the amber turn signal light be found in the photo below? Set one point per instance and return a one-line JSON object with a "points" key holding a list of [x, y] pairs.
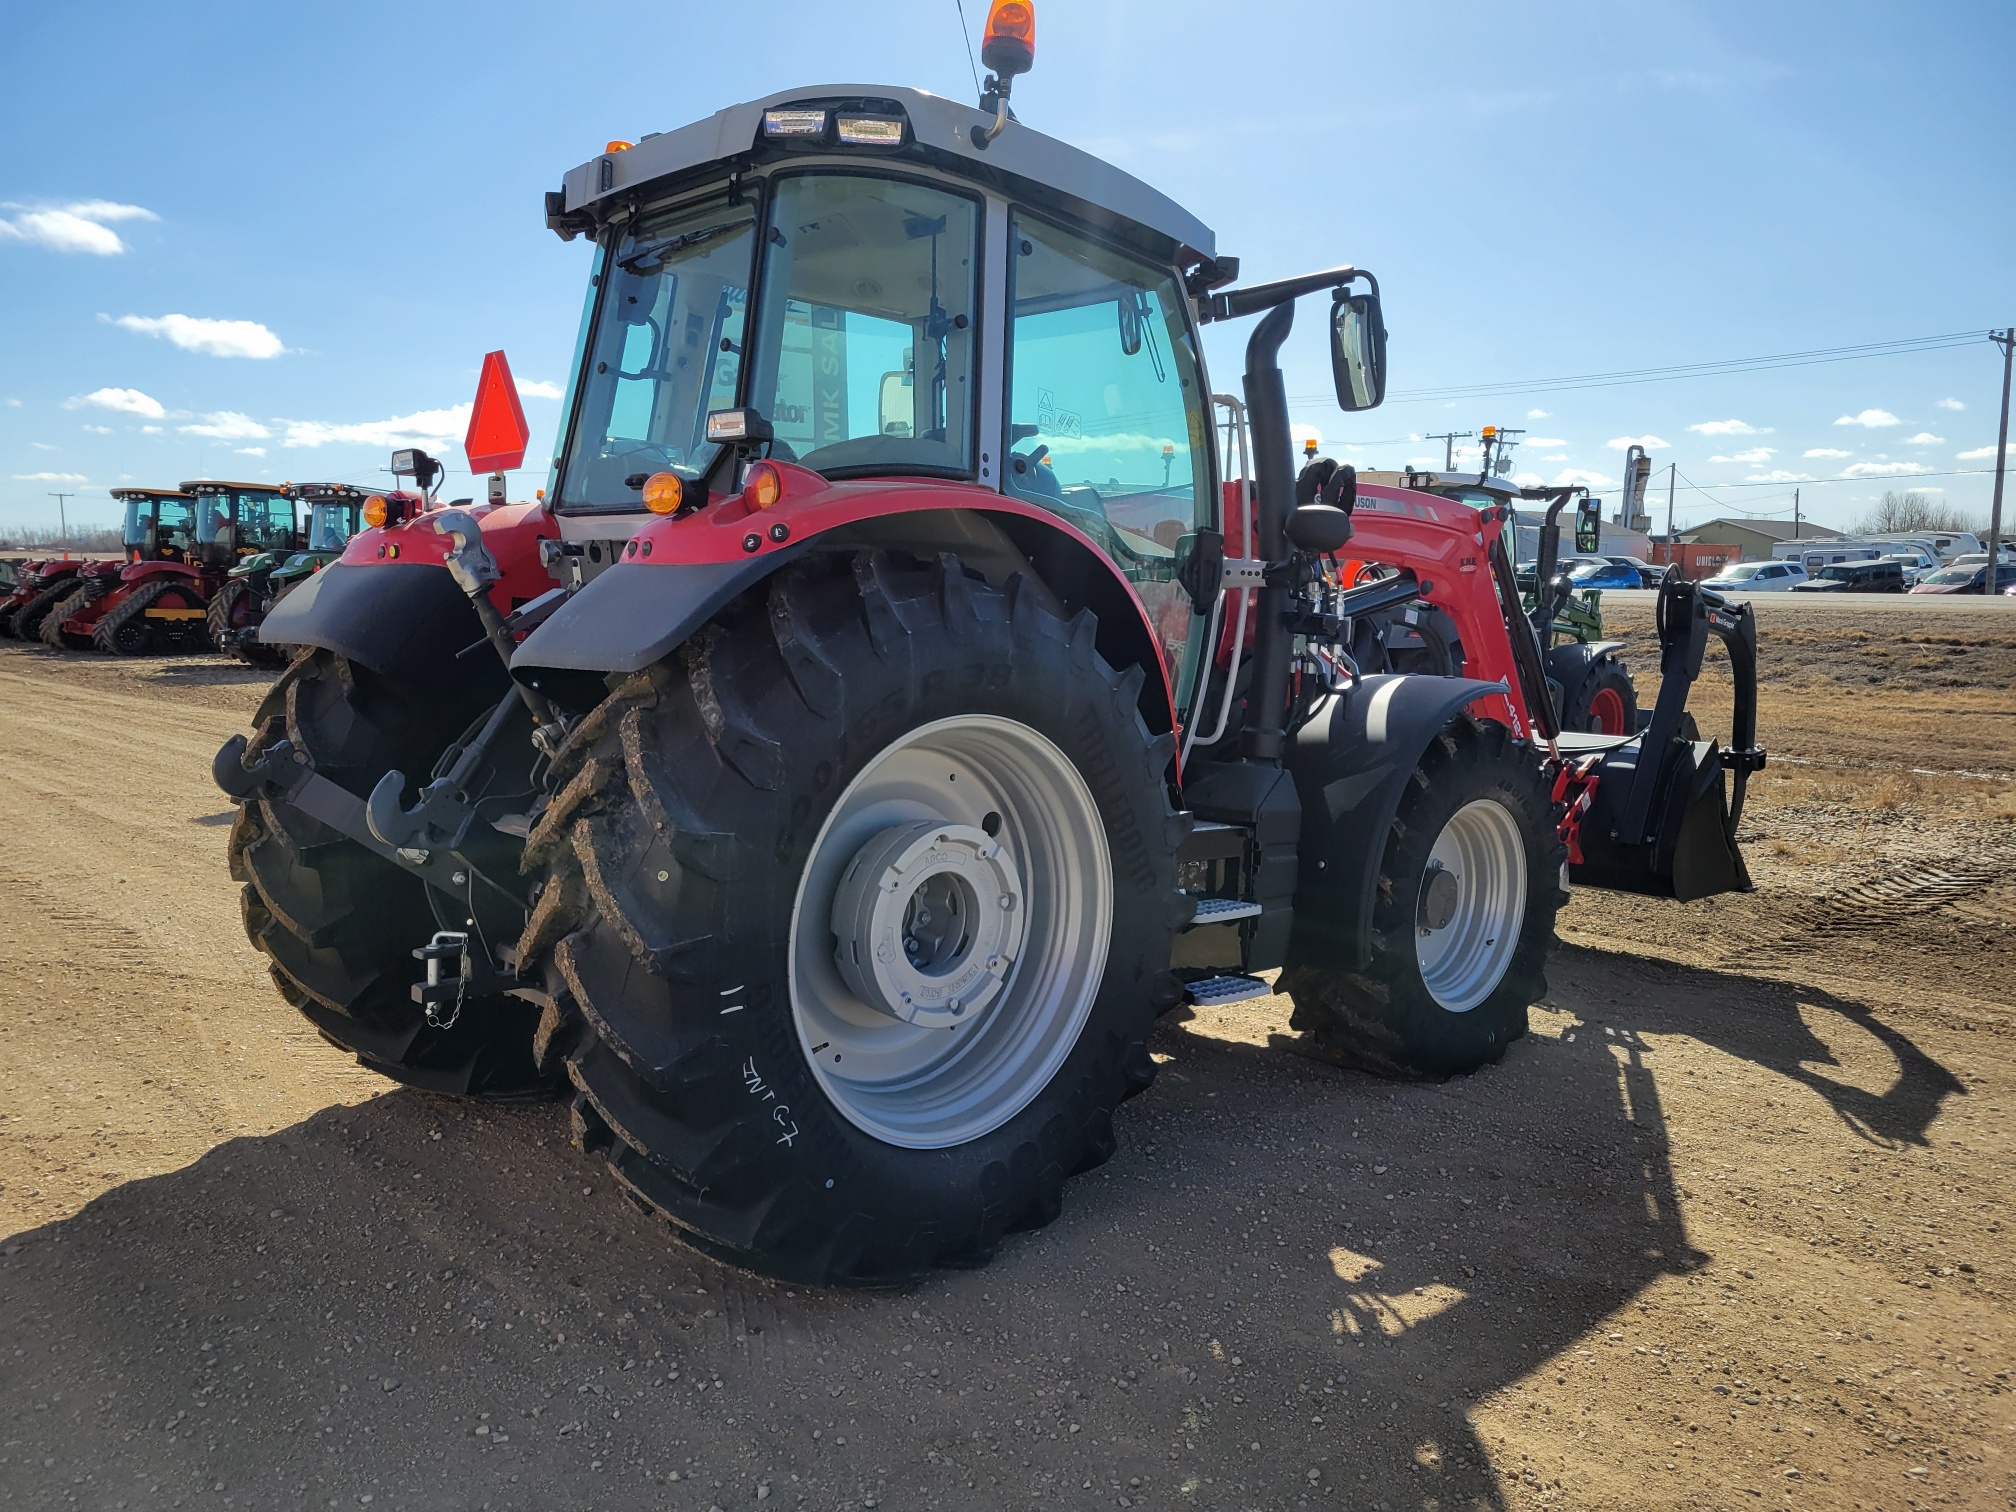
{"points": [[1009, 45], [762, 486], [376, 511], [663, 493]]}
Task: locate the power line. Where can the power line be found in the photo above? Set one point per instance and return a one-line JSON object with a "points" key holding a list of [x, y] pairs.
{"points": [[1964, 472], [1626, 377]]}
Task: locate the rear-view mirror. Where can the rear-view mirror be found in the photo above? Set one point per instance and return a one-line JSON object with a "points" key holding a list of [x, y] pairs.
{"points": [[1589, 525], [1358, 351], [897, 406], [1129, 306]]}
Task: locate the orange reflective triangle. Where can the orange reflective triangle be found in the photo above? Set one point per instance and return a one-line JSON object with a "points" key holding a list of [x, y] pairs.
{"points": [[497, 428]]}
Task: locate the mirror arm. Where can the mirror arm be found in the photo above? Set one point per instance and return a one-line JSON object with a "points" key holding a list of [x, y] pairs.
{"points": [[1233, 303]]}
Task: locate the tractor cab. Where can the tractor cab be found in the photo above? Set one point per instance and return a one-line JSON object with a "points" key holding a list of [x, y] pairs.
{"points": [[160, 524], [335, 514], [235, 520]]}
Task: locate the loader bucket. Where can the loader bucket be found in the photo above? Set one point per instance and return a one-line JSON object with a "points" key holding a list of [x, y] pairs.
{"points": [[1663, 818]]}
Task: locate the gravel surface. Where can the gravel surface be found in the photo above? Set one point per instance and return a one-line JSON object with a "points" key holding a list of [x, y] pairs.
{"points": [[1727, 1229]]}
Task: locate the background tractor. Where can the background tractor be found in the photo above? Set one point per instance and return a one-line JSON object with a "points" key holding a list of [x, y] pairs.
{"points": [[106, 607], [883, 731], [253, 586], [38, 587]]}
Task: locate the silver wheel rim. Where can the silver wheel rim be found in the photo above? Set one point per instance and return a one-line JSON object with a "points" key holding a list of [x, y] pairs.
{"points": [[1470, 915], [971, 852]]}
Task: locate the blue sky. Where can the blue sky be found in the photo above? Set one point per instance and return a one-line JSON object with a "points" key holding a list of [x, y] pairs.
{"points": [[274, 241]]}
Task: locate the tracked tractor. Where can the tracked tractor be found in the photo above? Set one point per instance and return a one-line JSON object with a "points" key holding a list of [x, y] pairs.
{"points": [[40, 585], [256, 583], [147, 599], [873, 731]]}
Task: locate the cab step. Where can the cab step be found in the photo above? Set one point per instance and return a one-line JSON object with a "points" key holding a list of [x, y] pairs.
{"points": [[1223, 911], [1217, 991]]}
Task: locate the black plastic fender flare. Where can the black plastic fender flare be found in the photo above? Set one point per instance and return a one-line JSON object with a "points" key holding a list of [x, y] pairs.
{"points": [[1351, 760], [1569, 663], [404, 620]]}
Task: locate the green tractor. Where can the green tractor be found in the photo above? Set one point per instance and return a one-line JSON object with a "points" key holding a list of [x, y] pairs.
{"points": [[257, 583]]}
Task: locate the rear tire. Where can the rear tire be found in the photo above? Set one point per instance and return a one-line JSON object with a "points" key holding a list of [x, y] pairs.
{"points": [[1455, 963], [228, 616], [337, 922], [696, 887]]}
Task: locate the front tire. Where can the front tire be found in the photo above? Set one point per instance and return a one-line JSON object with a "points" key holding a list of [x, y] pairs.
{"points": [[1605, 702], [1469, 886], [736, 832]]}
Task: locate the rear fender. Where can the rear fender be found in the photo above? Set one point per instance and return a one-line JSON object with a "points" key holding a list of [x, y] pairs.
{"points": [[676, 574], [136, 573], [1351, 761]]}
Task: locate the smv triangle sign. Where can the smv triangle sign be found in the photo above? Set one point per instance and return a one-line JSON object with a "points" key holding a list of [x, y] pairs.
{"points": [[497, 429]]}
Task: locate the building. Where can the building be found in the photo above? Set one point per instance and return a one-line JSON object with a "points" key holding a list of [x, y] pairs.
{"points": [[1752, 538]]}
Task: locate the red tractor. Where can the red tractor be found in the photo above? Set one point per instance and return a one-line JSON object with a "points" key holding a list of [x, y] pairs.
{"points": [[38, 588], [882, 732]]}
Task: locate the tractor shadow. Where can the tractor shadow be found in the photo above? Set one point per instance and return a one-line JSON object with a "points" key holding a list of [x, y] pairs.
{"points": [[1331, 1267]]}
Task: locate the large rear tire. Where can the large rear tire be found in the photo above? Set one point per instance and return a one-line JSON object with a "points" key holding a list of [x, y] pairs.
{"points": [[337, 922], [1469, 886], [752, 856]]}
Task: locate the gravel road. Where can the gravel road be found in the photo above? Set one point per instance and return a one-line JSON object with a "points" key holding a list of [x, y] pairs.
{"points": [[1728, 1229]]}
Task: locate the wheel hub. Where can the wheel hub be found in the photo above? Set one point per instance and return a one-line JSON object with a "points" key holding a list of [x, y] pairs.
{"points": [[1438, 898], [929, 920]]}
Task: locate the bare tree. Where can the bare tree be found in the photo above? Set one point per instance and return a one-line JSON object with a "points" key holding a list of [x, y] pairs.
{"points": [[1904, 513], [93, 538]]}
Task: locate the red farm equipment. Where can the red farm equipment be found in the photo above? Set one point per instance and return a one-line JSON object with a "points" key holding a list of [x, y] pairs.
{"points": [[38, 588], [881, 731]]}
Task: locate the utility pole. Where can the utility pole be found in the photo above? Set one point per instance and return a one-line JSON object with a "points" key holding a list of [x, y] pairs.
{"points": [[1672, 470], [1795, 514], [62, 520], [1449, 440], [2007, 341]]}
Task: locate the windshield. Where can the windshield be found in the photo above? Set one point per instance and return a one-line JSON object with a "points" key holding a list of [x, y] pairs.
{"points": [[1590, 569], [1739, 572], [329, 526], [666, 349], [1954, 575], [213, 513], [1837, 574], [139, 516], [265, 522]]}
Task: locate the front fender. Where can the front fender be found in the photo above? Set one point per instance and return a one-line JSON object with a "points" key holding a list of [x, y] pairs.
{"points": [[1351, 761]]}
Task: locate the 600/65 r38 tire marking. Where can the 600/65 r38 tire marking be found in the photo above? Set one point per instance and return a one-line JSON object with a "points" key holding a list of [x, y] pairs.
{"points": [[902, 716]]}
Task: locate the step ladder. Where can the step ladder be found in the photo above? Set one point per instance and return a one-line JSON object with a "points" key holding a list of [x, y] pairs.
{"points": [[1222, 911], [1218, 991]]}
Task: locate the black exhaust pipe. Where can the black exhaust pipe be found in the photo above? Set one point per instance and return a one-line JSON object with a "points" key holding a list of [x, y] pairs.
{"points": [[1274, 493]]}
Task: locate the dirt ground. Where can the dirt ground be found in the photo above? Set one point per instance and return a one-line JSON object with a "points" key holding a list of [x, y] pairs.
{"points": [[1726, 1230]]}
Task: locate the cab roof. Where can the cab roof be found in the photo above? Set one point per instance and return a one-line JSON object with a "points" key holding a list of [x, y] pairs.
{"points": [[326, 492], [1021, 162], [222, 485], [123, 494]]}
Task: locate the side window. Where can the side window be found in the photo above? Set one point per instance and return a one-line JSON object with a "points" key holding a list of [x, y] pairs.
{"points": [[1106, 407], [864, 358]]}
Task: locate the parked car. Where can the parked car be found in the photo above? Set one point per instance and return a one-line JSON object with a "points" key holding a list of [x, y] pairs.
{"points": [[1649, 573], [1604, 572], [1757, 577], [1960, 579], [1855, 577], [1916, 563]]}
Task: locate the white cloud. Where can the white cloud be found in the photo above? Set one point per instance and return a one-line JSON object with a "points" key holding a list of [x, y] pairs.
{"points": [[1879, 469], [1950, 404], [1728, 428], [215, 338], [99, 430], [1779, 475], [1556, 457], [1570, 475], [1827, 451], [422, 428], [537, 388], [78, 227], [1650, 443], [1545, 441], [227, 425], [50, 477], [1753, 457], [1924, 438], [1537, 414], [1528, 480], [251, 451], [150, 430], [44, 446], [1870, 419], [13, 404], [1981, 454], [126, 401]]}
